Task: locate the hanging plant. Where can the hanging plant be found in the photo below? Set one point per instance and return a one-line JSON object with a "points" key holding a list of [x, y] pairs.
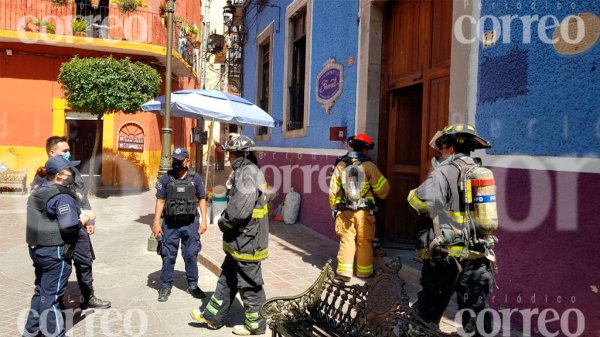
{"points": [[162, 10], [60, 2]]}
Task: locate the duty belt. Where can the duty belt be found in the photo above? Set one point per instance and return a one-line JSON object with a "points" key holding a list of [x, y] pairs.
{"points": [[454, 251]]}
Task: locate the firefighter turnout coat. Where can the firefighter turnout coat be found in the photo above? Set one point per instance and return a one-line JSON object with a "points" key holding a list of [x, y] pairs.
{"points": [[354, 217]]}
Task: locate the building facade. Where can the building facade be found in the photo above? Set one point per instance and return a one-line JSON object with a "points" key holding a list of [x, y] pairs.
{"points": [[283, 58], [37, 37], [523, 72], [533, 92]]}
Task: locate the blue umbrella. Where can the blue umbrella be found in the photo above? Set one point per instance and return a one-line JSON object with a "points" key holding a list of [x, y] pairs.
{"points": [[214, 105]]}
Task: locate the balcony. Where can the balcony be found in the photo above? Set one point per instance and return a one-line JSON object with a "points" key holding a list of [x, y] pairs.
{"points": [[105, 28]]}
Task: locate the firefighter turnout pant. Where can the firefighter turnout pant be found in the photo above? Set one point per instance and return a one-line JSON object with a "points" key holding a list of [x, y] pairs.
{"points": [[245, 278], [356, 230], [440, 278]]}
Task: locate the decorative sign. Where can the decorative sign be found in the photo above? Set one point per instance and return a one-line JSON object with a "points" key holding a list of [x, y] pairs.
{"points": [[131, 137], [580, 41], [329, 84]]}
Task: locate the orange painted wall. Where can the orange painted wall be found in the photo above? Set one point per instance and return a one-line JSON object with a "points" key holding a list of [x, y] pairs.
{"points": [[144, 25], [27, 86]]}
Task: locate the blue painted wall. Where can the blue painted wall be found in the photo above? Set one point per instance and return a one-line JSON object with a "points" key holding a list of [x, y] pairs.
{"points": [[334, 35], [533, 100]]}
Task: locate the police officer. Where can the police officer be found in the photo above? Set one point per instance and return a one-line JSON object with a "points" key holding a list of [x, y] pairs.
{"points": [[53, 224], [355, 182], [83, 256], [245, 227], [456, 256], [179, 192]]}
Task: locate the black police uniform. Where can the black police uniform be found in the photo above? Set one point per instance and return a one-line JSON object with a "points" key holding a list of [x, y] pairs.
{"points": [[52, 231], [180, 223], [245, 227], [83, 256]]}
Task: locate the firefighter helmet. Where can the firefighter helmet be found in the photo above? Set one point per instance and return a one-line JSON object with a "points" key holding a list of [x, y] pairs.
{"points": [[462, 134], [239, 143], [361, 139]]}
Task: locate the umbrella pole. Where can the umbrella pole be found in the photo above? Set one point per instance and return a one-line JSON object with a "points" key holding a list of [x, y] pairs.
{"points": [[210, 140]]}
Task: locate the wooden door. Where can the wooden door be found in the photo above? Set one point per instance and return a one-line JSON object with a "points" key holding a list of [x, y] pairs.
{"points": [[415, 101]]}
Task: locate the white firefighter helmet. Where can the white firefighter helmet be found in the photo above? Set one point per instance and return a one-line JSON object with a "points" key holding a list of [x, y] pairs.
{"points": [[239, 143], [462, 134]]}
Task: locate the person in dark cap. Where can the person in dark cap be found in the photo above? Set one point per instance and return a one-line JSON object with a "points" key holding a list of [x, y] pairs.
{"points": [[83, 256], [179, 192], [53, 223]]}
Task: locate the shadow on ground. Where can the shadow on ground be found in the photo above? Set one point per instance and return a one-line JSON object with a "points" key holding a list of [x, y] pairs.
{"points": [[312, 247], [179, 280], [146, 219]]}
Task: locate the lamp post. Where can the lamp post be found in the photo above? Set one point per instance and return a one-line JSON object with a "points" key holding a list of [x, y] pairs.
{"points": [[166, 131], [165, 157]]}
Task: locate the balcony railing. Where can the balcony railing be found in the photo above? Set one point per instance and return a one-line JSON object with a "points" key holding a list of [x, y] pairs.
{"points": [[144, 25]]}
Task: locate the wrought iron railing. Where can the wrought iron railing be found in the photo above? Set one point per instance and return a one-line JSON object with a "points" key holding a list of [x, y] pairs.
{"points": [[264, 104], [143, 25], [296, 117]]}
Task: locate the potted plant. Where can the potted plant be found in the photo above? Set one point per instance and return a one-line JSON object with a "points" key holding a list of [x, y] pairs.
{"points": [[43, 26], [194, 33], [80, 27], [128, 6]]}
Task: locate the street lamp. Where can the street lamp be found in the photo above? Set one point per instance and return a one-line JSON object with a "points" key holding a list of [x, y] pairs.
{"points": [[166, 131], [228, 13], [165, 158]]}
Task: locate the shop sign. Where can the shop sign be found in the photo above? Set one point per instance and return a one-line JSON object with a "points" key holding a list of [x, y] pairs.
{"points": [[329, 84]]}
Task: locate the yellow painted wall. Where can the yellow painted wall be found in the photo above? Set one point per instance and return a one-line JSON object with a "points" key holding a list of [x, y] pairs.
{"points": [[20, 158], [59, 105]]}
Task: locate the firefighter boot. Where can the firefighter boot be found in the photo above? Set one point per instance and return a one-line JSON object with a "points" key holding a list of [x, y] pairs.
{"points": [[242, 330], [199, 317], [89, 300]]}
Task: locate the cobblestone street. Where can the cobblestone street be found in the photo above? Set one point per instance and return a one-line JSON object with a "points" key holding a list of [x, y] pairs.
{"points": [[128, 275]]}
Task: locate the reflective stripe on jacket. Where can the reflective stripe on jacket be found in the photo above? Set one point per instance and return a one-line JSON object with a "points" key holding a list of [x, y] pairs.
{"points": [[246, 218]]}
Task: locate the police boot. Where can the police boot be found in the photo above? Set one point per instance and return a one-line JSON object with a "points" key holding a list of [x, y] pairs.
{"points": [[89, 300]]}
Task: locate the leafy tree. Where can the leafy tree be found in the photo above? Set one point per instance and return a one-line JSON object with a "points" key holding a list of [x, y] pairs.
{"points": [[104, 85]]}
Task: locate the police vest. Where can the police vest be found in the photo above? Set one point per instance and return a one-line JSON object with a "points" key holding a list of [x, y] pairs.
{"points": [[42, 229], [181, 204]]}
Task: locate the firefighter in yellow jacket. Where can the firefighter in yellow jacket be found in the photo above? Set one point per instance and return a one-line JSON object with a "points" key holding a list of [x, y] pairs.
{"points": [[355, 182]]}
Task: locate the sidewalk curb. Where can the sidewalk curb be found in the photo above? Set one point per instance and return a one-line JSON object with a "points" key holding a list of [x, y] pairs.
{"points": [[408, 273], [209, 263]]}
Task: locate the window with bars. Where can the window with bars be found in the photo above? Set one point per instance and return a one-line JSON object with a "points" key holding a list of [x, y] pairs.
{"points": [[295, 118], [264, 85]]}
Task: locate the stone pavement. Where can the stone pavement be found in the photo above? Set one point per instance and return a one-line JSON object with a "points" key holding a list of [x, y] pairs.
{"points": [[124, 272], [128, 275]]}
